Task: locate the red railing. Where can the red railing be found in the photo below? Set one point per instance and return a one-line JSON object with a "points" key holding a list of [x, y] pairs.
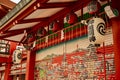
{"points": [[71, 32]]}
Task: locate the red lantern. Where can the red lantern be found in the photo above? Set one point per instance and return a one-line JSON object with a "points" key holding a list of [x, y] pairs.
{"points": [[31, 37], [54, 26], [41, 32], [71, 18], [93, 7]]}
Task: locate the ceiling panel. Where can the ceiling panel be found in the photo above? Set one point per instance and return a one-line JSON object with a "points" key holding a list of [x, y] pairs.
{"points": [[16, 38], [41, 13], [21, 26]]}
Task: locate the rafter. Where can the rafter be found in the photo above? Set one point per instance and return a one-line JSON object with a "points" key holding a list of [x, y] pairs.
{"points": [[32, 20], [23, 39], [16, 30], [54, 5], [2, 8], [11, 34]]}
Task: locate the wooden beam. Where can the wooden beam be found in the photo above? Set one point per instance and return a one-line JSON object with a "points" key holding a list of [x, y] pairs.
{"points": [[2, 8], [32, 20], [10, 40], [11, 34], [54, 5], [7, 3], [23, 39], [15, 31]]}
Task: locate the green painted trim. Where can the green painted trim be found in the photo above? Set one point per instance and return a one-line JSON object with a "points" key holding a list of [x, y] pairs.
{"points": [[66, 25], [67, 42]]}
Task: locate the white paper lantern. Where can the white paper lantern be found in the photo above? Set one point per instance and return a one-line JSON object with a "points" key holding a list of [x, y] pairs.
{"points": [[96, 30], [111, 13], [93, 7], [17, 56]]}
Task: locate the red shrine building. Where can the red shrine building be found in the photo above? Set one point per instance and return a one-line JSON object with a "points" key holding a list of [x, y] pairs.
{"points": [[60, 40]]}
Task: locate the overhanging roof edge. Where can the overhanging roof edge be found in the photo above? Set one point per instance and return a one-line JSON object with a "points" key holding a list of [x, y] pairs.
{"points": [[15, 11]]}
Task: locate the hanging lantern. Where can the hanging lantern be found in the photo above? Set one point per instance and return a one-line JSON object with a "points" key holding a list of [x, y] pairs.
{"points": [[54, 26], [41, 32], [30, 37], [17, 56], [93, 7], [20, 47], [51, 26], [96, 30], [111, 13], [71, 18]]}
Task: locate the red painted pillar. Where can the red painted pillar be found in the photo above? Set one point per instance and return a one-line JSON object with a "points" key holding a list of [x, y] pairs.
{"points": [[30, 65], [7, 71], [9, 63], [116, 37]]}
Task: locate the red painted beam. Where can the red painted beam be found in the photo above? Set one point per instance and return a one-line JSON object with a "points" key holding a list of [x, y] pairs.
{"points": [[3, 59], [55, 5], [11, 34], [42, 1], [32, 20], [2, 8], [7, 3], [11, 40], [23, 39], [16, 30]]}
